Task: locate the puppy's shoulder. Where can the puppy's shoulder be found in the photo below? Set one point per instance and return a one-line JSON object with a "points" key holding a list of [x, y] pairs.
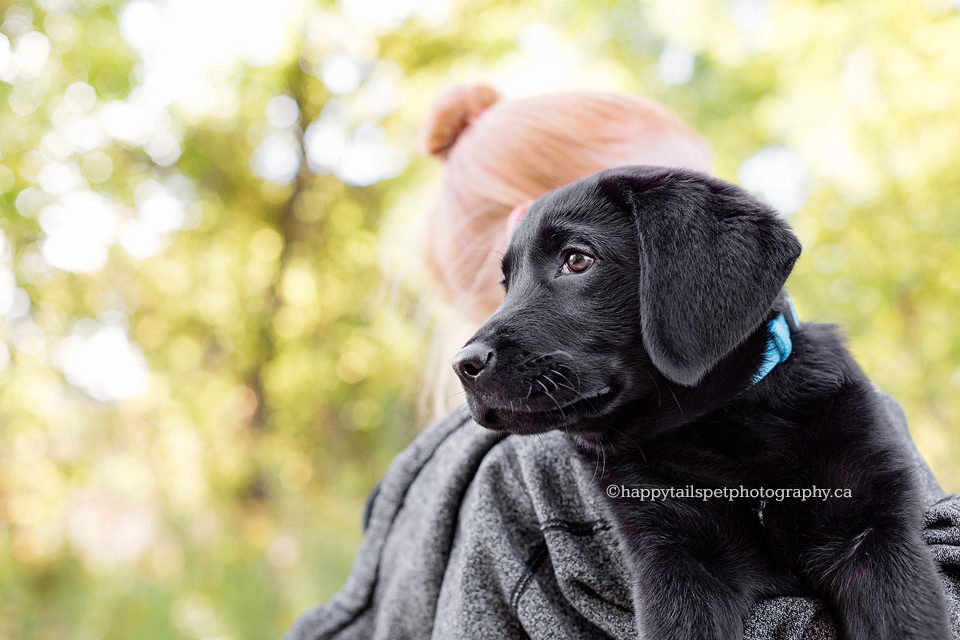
{"points": [[823, 384], [820, 380]]}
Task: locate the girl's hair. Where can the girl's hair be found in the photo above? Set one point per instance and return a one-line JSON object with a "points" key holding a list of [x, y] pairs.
{"points": [[499, 154]]}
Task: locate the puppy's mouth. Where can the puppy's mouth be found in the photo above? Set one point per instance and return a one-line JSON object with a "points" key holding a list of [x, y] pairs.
{"points": [[520, 418]]}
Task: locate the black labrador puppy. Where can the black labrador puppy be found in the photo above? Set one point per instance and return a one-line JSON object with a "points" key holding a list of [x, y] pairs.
{"points": [[645, 317]]}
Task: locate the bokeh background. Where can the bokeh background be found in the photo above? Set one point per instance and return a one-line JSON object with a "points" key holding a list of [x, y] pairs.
{"points": [[209, 354]]}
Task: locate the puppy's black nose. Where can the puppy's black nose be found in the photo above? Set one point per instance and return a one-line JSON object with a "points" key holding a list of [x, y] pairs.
{"points": [[472, 361]]}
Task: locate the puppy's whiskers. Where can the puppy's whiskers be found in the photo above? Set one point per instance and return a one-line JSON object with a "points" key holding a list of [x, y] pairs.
{"points": [[657, 387], [626, 435], [549, 395], [601, 455], [547, 377], [460, 261], [677, 401], [569, 384], [484, 246], [574, 371]]}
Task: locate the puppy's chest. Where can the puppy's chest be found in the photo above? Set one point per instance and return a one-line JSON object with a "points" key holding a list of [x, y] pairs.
{"points": [[718, 473], [688, 502], [713, 456]]}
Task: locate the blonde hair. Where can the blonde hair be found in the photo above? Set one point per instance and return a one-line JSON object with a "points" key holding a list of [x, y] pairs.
{"points": [[499, 154]]}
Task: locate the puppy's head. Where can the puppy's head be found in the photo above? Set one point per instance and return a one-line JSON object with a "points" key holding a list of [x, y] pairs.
{"points": [[614, 281]]}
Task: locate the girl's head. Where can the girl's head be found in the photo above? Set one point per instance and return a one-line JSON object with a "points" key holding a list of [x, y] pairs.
{"points": [[501, 154]]}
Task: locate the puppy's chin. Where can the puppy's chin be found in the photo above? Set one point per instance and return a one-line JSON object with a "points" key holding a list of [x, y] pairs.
{"points": [[578, 416], [521, 423]]}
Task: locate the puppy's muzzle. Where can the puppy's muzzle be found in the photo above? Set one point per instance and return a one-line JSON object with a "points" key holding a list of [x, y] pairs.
{"points": [[475, 361]]}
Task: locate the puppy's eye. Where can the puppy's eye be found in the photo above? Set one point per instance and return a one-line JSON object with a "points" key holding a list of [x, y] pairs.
{"points": [[576, 262]]}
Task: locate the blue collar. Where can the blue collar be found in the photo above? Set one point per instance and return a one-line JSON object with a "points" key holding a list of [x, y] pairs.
{"points": [[779, 344]]}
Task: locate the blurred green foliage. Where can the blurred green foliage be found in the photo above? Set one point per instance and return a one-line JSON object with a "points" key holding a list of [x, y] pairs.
{"points": [[195, 190]]}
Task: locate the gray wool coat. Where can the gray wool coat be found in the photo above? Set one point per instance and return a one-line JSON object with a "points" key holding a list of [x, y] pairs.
{"points": [[473, 534]]}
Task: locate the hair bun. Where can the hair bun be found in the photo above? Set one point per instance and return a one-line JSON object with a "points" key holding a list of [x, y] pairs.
{"points": [[451, 114]]}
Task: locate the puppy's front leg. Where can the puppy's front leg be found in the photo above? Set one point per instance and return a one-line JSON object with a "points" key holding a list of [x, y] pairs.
{"points": [[697, 565], [883, 584]]}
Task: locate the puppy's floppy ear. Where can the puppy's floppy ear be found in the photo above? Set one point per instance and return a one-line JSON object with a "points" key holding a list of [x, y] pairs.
{"points": [[712, 261]]}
